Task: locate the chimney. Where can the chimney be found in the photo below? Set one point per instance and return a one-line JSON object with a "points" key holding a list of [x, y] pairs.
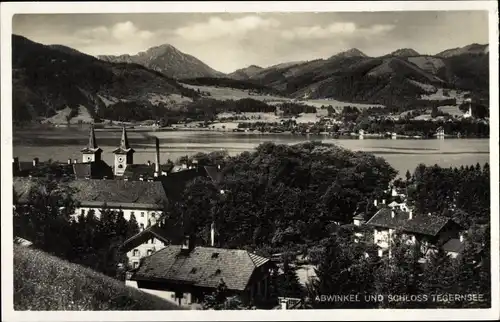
{"points": [[410, 215], [157, 164], [187, 244], [35, 162], [283, 304], [74, 161], [392, 214], [212, 234]]}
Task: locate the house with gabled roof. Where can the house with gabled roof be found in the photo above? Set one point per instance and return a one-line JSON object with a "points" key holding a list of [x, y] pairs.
{"points": [[142, 199], [187, 272], [427, 229]]}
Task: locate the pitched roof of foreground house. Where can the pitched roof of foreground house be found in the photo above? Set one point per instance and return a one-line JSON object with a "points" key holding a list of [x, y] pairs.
{"points": [[202, 266], [421, 224], [165, 230], [98, 193]]}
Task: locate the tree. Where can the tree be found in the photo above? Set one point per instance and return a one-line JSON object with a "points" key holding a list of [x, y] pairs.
{"points": [[439, 275], [408, 176], [289, 285], [332, 276], [399, 274]]}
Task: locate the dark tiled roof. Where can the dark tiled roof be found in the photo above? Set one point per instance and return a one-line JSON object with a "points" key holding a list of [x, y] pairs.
{"points": [[421, 224], [175, 183], [453, 245], [202, 267], [134, 171], [214, 173], [92, 191], [96, 193], [98, 169]]}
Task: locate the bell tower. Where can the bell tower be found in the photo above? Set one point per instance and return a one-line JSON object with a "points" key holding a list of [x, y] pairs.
{"points": [[124, 155], [91, 153]]}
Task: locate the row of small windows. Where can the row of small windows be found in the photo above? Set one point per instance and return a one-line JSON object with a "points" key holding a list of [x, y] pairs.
{"points": [[131, 213]]}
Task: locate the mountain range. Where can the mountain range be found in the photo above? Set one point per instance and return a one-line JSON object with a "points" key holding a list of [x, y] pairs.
{"points": [[48, 78], [392, 79]]}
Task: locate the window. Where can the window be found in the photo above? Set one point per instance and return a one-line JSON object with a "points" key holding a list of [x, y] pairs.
{"points": [[136, 253], [83, 212], [120, 166], [132, 214], [135, 264], [150, 252], [142, 226], [142, 213]]}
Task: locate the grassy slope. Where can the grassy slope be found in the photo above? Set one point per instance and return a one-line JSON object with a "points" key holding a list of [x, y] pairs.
{"points": [[46, 283]]}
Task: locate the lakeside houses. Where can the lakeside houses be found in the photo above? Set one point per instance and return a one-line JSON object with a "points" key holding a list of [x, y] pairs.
{"points": [[430, 231]]}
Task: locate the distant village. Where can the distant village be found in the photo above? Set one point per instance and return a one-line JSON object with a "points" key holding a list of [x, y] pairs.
{"points": [[163, 261]]}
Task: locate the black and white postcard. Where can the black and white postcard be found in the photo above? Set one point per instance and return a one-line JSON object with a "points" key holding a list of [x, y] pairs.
{"points": [[250, 160]]}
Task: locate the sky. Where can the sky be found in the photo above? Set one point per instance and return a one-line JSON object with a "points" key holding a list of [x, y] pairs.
{"points": [[229, 41]]}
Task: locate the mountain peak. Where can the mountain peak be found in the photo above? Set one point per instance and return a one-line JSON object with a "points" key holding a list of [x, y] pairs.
{"points": [[353, 52], [245, 73], [475, 49], [404, 52], [168, 60]]}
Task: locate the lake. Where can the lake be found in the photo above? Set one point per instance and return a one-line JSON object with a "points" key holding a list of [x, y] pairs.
{"points": [[402, 154]]}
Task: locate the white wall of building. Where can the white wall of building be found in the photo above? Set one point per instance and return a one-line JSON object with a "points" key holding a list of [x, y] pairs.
{"points": [[151, 246], [164, 294], [381, 237]]}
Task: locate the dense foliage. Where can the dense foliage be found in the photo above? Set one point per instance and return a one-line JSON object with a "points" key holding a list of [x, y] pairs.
{"points": [[461, 193], [95, 243], [283, 195]]}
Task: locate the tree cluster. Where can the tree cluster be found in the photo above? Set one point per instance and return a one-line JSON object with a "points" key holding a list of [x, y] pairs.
{"points": [[46, 220]]}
